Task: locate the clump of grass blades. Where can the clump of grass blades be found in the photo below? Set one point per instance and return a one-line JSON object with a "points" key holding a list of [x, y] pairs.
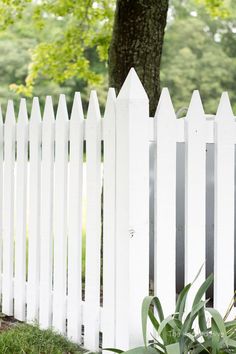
{"points": [[28, 339]]}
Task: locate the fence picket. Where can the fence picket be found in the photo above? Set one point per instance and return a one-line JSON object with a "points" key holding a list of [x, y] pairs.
{"points": [[93, 225], [74, 315], [21, 202], [34, 212], [60, 218], [165, 203], [46, 225], [132, 210], [225, 132], [8, 209], [1, 193], [109, 129], [195, 194]]}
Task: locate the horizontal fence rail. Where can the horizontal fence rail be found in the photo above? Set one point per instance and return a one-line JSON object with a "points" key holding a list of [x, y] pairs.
{"points": [[76, 195]]}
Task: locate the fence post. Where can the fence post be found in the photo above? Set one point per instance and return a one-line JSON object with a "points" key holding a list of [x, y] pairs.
{"points": [[224, 132], [132, 210]]}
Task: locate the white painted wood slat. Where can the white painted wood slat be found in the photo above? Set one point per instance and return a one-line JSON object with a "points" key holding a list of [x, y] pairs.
{"points": [[93, 225], [46, 228], [109, 222], [8, 209], [225, 132], [132, 210], [1, 192], [21, 205], [74, 315], [35, 136], [165, 204], [60, 218], [195, 194]]}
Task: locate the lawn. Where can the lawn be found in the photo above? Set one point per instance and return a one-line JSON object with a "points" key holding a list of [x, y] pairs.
{"points": [[26, 339]]}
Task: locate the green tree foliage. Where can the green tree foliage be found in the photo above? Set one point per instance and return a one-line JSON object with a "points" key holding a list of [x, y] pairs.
{"points": [[198, 54], [11, 10], [17, 44], [217, 8], [61, 46], [81, 26]]}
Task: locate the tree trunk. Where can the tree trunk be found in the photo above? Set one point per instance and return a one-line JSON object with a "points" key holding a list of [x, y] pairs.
{"points": [[137, 41]]}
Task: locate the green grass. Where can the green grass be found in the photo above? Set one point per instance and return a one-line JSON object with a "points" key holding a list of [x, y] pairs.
{"points": [[26, 339]]}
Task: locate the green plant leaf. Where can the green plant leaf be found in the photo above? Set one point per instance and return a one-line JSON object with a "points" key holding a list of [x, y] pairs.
{"points": [[230, 328], [118, 351], [167, 321], [231, 343], [141, 350], [202, 290], [202, 323], [181, 301], [218, 321], [215, 337], [158, 346], [191, 317], [196, 308], [147, 301], [201, 347], [198, 273], [230, 324], [190, 337], [153, 319], [173, 348], [158, 307]]}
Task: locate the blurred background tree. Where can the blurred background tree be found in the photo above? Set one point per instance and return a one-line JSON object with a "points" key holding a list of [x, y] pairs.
{"points": [[49, 47], [61, 46], [199, 53]]}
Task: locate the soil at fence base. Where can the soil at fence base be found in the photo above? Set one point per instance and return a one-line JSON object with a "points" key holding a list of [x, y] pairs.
{"points": [[7, 322]]}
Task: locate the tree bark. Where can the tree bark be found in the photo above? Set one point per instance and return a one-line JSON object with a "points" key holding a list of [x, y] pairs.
{"points": [[137, 41]]}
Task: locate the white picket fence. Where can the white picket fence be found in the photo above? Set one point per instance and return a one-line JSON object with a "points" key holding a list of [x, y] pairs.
{"points": [[41, 206]]}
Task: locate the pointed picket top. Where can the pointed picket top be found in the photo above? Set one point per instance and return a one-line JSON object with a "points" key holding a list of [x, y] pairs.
{"points": [[62, 112], [93, 108], [77, 108], [48, 114], [35, 117], [22, 115], [165, 110], [195, 111], [132, 88], [224, 111], [1, 128], [1, 116], [10, 114], [110, 102]]}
